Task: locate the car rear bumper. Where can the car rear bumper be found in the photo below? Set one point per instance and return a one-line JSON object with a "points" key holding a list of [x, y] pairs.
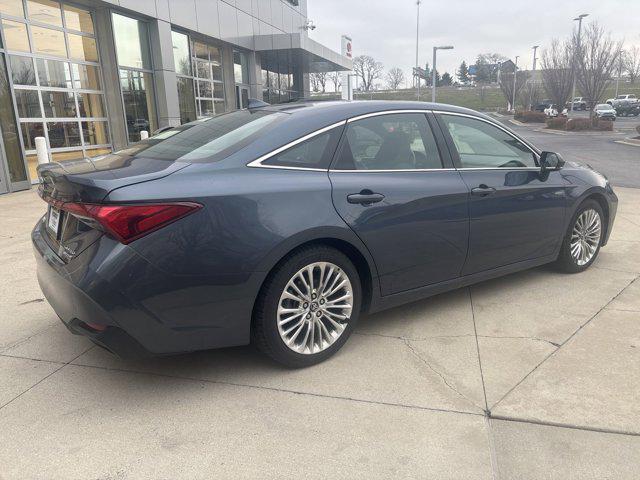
{"points": [[114, 297]]}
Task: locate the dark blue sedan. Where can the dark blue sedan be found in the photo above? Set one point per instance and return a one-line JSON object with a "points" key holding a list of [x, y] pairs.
{"points": [[280, 225]]}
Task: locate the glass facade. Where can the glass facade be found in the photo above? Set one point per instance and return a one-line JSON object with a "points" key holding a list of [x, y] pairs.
{"points": [[54, 69], [136, 77], [200, 78], [277, 80]]}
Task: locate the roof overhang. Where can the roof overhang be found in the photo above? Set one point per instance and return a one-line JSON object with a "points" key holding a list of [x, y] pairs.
{"points": [[314, 56]]}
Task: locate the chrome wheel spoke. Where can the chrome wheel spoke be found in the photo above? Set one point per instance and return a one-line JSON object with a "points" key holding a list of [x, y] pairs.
{"points": [[585, 236], [315, 308]]}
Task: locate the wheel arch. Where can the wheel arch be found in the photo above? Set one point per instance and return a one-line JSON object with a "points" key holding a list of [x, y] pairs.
{"points": [[604, 204], [345, 242]]}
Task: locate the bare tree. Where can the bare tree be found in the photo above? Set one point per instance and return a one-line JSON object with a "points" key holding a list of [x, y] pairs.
{"points": [[318, 81], [336, 79], [596, 60], [557, 76], [395, 77], [368, 70], [506, 84], [631, 62], [530, 94]]}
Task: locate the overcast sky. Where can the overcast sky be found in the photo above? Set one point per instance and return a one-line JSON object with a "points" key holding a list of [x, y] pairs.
{"points": [[386, 29]]}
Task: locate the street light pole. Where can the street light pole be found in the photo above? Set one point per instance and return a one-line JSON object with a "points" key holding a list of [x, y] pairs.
{"points": [[535, 50], [515, 74], [619, 74], [417, 77], [433, 71], [535, 58], [573, 90]]}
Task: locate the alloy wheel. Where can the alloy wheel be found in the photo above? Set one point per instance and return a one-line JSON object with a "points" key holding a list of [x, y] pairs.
{"points": [[585, 236], [315, 307]]}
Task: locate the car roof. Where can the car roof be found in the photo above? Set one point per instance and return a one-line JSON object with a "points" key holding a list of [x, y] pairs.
{"points": [[341, 110]]}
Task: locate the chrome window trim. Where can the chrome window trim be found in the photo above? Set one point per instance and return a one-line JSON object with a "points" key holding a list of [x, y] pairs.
{"points": [[497, 125], [257, 163], [387, 112]]}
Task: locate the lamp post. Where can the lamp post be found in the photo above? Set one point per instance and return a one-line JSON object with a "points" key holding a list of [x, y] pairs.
{"points": [[573, 90], [417, 77], [433, 74], [535, 51], [515, 74]]}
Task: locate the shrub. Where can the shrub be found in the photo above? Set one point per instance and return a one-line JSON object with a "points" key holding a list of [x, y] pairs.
{"points": [[578, 124], [530, 117], [602, 125], [558, 123]]}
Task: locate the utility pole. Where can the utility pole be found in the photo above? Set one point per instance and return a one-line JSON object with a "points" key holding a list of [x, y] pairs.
{"points": [[515, 74], [417, 45], [433, 71], [573, 90]]}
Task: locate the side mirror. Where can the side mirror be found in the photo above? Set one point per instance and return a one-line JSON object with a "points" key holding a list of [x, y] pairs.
{"points": [[550, 161]]}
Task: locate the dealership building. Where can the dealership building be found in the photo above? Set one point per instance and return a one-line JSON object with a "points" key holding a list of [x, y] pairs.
{"points": [[90, 75]]}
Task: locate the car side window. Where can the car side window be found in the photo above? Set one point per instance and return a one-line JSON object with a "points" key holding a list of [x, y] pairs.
{"points": [[482, 145], [313, 153], [402, 141]]}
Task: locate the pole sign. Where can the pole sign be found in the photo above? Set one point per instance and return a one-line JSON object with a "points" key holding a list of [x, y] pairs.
{"points": [[347, 51]]}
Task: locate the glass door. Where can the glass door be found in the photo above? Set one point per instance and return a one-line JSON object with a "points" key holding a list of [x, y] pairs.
{"points": [[4, 186], [242, 97]]}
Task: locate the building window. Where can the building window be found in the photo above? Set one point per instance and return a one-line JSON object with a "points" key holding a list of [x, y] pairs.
{"points": [[55, 74], [136, 77], [200, 80], [278, 75]]}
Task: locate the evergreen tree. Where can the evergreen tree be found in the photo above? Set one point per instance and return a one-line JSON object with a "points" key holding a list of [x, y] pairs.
{"points": [[463, 73], [446, 79]]}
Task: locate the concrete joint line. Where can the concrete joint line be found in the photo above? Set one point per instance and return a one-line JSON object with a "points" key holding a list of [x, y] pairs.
{"points": [[566, 341], [274, 389], [444, 379], [569, 426]]}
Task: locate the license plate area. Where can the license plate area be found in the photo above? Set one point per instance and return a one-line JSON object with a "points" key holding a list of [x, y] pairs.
{"points": [[54, 221]]}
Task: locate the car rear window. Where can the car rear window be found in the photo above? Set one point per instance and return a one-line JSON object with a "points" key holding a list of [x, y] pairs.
{"points": [[207, 140]]}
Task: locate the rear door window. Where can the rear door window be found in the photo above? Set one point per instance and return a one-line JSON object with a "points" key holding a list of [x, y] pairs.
{"points": [[401, 141]]}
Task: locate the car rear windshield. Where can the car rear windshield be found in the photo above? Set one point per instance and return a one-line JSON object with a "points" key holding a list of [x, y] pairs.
{"points": [[603, 106], [206, 140]]}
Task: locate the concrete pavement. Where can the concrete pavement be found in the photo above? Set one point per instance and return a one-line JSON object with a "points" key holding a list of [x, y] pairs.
{"points": [[531, 376]]}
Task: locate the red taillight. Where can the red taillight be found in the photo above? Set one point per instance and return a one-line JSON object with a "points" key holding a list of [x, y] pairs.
{"points": [[130, 222]]}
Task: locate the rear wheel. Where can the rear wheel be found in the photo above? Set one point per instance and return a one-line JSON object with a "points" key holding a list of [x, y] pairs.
{"points": [[308, 307], [581, 243]]}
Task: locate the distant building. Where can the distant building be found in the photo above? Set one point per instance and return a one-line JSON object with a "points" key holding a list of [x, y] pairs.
{"points": [[90, 75]]}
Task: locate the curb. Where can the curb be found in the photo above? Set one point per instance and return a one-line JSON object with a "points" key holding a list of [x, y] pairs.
{"points": [[634, 142]]}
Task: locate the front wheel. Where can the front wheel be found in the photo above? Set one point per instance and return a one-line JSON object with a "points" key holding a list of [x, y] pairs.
{"points": [[581, 243], [308, 307]]}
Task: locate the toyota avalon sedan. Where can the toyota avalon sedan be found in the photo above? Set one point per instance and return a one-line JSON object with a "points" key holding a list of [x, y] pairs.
{"points": [[281, 225]]}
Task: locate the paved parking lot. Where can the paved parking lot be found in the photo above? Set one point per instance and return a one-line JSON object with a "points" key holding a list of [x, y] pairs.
{"points": [[532, 376], [602, 150]]}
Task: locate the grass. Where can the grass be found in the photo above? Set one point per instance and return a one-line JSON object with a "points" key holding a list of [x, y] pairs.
{"points": [[491, 99]]}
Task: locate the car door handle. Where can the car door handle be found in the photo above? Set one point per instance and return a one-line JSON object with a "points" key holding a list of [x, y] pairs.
{"points": [[482, 190], [365, 197]]}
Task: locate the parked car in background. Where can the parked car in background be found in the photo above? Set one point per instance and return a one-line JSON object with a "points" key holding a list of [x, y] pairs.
{"points": [[605, 111], [543, 105], [281, 224], [627, 104], [553, 111], [579, 103]]}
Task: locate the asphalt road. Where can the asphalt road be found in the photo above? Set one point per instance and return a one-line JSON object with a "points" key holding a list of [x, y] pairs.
{"points": [[619, 162]]}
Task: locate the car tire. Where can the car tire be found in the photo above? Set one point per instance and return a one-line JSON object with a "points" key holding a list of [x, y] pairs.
{"points": [[273, 318], [569, 260]]}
